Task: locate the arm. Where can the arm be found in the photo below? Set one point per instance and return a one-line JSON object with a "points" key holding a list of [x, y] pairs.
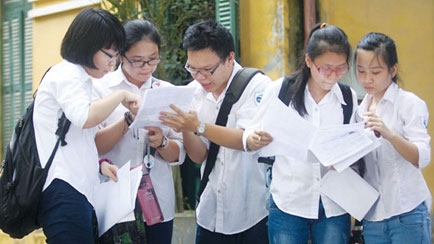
{"points": [[169, 152], [107, 137], [102, 108], [407, 149]]}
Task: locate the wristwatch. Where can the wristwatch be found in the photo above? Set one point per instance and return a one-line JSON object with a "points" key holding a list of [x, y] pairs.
{"points": [[200, 129], [164, 142]]}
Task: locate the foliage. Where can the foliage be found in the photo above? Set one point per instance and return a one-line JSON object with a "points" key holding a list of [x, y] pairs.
{"points": [[171, 17]]}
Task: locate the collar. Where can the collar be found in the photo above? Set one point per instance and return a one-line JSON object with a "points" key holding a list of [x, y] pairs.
{"points": [[334, 92], [389, 95], [391, 92]]}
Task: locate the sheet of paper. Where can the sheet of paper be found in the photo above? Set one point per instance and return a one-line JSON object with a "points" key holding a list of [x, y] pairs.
{"points": [[349, 191], [341, 145], [115, 200], [291, 133], [156, 100]]}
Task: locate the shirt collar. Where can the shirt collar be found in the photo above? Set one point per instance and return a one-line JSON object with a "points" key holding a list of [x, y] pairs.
{"points": [[391, 92], [334, 92]]}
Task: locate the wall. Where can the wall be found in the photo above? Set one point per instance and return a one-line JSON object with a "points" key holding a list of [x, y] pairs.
{"points": [[264, 35]]}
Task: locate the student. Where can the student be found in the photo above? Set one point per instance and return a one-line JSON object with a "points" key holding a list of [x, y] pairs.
{"points": [[401, 214], [116, 143], [232, 206], [298, 211], [89, 49]]}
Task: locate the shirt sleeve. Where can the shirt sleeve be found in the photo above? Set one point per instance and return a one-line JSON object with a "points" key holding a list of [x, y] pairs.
{"points": [[415, 121]]}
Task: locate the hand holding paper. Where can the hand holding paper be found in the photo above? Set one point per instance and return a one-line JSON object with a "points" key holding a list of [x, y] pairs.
{"points": [[156, 100]]}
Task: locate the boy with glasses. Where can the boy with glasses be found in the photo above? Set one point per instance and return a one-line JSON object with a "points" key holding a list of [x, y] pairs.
{"points": [[232, 207]]}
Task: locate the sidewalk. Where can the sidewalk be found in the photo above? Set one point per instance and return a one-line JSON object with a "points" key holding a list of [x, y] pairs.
{"points": [[184, 231]]}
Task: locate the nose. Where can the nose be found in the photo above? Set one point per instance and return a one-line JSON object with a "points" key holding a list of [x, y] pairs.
{"points": [[369, 78], [199, 76], [333, 76]]}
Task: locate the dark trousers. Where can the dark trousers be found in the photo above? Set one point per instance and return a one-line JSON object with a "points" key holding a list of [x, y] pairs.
{"points": [[66, 216], [160, 233], [257, 234]]}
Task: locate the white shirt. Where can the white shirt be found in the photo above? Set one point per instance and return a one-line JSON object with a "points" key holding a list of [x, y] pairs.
{"points": [[126, 149], [234, 198], [67, 87], [401, 185], [295, 187]]}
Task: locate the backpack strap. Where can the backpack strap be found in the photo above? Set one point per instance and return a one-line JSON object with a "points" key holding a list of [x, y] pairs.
{"points": [[347, 108], [233, 94], [284, 91]]}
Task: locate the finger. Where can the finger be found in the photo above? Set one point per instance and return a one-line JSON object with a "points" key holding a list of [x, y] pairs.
{"points": [[176, 109]]}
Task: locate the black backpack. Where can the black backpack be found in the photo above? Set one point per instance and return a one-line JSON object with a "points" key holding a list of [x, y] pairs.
{"points": [[22, 176]]}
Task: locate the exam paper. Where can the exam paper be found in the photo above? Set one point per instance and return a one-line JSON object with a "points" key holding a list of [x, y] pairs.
{"points": [[341, 145], [291, 133], [156, 100], [115, 200], [293, 136], [350, 191]]}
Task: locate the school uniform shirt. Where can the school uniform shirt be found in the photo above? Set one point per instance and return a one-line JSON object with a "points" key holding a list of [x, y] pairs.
{"points": [[401, 185], [295, 186], [67, 88], [234, 198], [126, 149]]}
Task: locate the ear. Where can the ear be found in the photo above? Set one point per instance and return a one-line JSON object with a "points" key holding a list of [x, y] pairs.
{"points": [[394, 70], [231, 57], [307, 60]]}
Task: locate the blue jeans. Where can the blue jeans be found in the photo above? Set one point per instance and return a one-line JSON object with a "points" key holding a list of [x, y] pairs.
{"points": [[411, 227], [255, 235], [66, 216], [291, 229]]}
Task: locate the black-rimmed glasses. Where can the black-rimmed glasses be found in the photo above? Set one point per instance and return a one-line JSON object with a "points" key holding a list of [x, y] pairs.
{"points": [[140, 64], [110, 56], [204, 72]]}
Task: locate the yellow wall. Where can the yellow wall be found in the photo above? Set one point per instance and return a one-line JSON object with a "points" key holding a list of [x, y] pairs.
{"points": [[410, 24], [264, 36]]}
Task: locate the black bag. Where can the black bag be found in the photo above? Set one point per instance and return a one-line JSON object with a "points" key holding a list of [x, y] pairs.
{"points": [[22, 176]]}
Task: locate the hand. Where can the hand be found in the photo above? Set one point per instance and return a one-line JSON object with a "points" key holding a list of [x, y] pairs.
{"points": [[109, 170], [258, 140], [377, 125], [155, 135], [132, 102], [179, 120]]}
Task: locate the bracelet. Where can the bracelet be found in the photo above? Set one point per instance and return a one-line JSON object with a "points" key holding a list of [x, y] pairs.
{"points": [[105, 160], [128, 118], [164, 142]]}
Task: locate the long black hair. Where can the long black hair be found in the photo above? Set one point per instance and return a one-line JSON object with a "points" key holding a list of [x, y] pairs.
{"points": [[322, 38]]}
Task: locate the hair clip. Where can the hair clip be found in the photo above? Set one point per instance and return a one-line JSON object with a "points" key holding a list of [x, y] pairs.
{"points": [[323, 25]]}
